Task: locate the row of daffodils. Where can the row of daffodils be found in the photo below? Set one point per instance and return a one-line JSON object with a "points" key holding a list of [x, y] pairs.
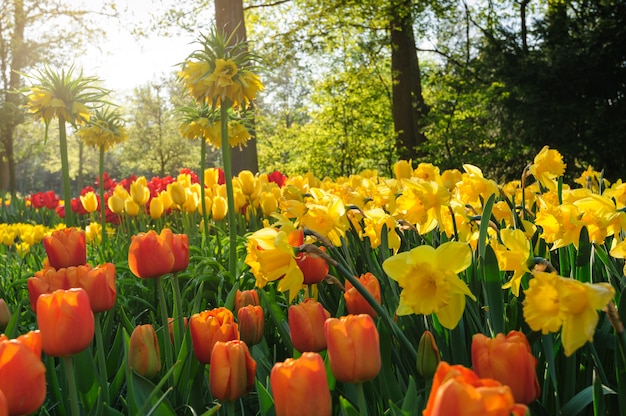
{"points": [[435, 292]]}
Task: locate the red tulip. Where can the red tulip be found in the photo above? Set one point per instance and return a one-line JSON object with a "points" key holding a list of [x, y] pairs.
{"points": [[143, 351], [251, 324], [211, 326], [150, 255], [4, 405], [66, 322], [232, 372], [353, 348], [508, 360], [306, 325], [300, 387], [314, 267], [66, 247], [22, 378], [355, 302]]}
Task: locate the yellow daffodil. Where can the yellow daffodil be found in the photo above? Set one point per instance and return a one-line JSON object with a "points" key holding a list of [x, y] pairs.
{"points": [[561, 225], [325, 214], [373, 222], [429, 281], [513, 256], [403, 169], [553, 302], [547, 166], [473, 188], [271, 258], [420, 204], [591, 179]]}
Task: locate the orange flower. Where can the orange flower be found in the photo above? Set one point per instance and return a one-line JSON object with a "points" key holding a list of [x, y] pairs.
{"points": [[300, 387], [457, 390], [99, 283], [306, 325], [508, 360], [179, 244], [246, 297], [66, 247], [150, 255], [22, 378], [170, 325], [66, 322], [211, 326], [251, 324], [143, 351], [232, 372], [355, 302], [314, 268], [5, 314], [353, 348], [4, 405]]}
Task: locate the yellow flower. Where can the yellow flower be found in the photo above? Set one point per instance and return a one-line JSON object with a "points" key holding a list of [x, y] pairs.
{"points": [[89, 201], [271, 257], [403, 169], [553, 302], [105, 128], [513, 256], [561, 225], [474, 188], [548, 165], [93, 232], [156, 208], [429, 281], [542, 307], [139, 191], [374, 221], [420, 204], [219, 208], [326, 215], [590, 179]]}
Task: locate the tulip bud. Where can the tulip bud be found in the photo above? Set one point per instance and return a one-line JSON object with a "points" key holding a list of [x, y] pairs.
{"points": [[427, 355], [355, 302], [269, 203], [5, 314], [247, 182], [177, 192], [233, 370], [300, 387], [251, 324], [66, 322], [211, 326], [143, 351], [116, 204], [131, 207], [156, 208], [245, 298], [306, 325], [314, 267], [219, 208], [170, 326], [139, 192], [353, 348], [89, 202]]}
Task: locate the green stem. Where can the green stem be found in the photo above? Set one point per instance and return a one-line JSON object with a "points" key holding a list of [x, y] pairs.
{"points": [[102, 365], [68, 365], [228, 176], [169, 362], [360, 394], [202, 190], [103, 213], [230, 408], [178, 320], [65, 168]]}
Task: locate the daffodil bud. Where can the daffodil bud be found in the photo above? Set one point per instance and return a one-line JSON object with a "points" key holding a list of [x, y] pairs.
{"points": [[427, 355]]}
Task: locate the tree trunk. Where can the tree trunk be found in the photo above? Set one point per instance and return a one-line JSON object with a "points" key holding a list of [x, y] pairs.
{"points": [[11, 115], [408, 107], [229, 18]]}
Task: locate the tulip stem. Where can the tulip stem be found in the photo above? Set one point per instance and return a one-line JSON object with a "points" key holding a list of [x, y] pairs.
{"points": [[178, 320], [205, 217], [65, 168], [68, 365], [103, 213], [166, 338], [230, 408], [101, 359], [360, 393], [230, 197]]}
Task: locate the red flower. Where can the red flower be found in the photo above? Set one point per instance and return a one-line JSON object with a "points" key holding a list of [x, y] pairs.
{"points": [[277, 177]]}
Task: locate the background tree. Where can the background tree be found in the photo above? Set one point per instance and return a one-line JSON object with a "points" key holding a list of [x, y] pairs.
{"points": [[32, 32]]}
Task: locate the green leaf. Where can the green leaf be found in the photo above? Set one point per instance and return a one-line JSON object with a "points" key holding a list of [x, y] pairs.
{"points": [[599, 404], [484, 225], [266, 401], [146, 395], [492, 288], [346, 407], [412, 400], [581, 400]]}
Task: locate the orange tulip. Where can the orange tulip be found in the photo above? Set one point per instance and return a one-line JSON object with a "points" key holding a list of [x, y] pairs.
{"points": [[22, 378], [143, 351], [306, 325], [170, 325], [251, 324], [314, 268], [66, 248], [353, 348], [150, 255], [211, 326], [46, 281], [355, 302], [232, 372], [5, 314], [246, 297], [179, 244], [457, 390], [508, 360], [99, 283], [300, 387], [66, 322]]}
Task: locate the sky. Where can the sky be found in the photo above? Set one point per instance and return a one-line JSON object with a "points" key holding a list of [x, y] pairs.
{"points": [[124, 62]]}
